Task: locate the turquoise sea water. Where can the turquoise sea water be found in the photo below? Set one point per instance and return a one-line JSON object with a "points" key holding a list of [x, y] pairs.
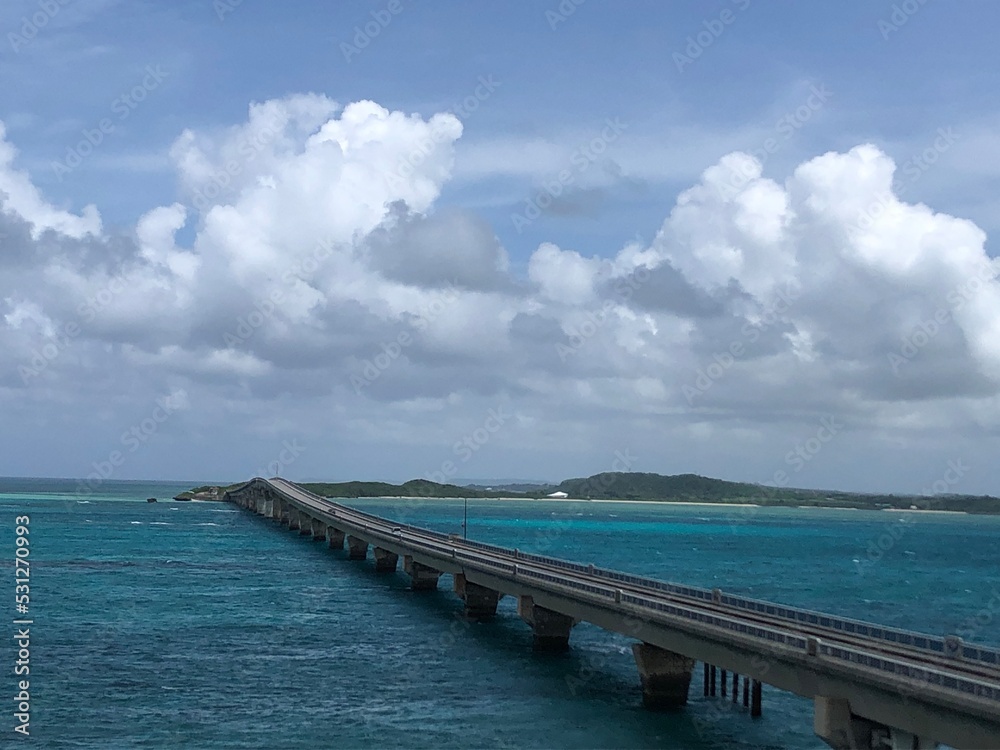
{"points": [[198, 625]]}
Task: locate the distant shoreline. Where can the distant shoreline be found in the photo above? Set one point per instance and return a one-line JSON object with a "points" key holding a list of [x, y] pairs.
{"points": [[690, 490], [661, 502]]}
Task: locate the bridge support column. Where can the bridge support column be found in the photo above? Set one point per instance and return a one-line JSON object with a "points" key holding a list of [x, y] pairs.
{"points": [[357, 548], [318, 530], [665, 676], [335, 538], [840, 729], [422, 577], [480, 602], [551, 629], [268, 510], [276, 508], [293, 518], [306, 524], [385, 561]]}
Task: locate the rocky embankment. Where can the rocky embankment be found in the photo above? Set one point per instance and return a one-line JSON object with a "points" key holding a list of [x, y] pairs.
{"points": [[201, 493]]}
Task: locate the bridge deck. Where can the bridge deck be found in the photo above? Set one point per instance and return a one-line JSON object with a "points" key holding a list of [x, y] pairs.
{"points": [[933, 687]]}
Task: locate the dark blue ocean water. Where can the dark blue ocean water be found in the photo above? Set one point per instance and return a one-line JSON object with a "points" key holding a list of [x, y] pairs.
{"points": [[196, 625]]}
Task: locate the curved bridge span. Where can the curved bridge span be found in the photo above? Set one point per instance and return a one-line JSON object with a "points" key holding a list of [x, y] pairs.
{"points": [[873, 687]]}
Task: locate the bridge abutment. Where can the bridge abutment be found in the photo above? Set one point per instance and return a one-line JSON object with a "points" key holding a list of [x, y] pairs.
{"points": [[837, 726], [665, 676], [385, 561], [550, 628], [357, 548], [480, 601], [422, 577]]}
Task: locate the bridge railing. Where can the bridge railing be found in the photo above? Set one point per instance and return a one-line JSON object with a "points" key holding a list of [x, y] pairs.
{"points": [[794, 641], [911, 639], [919, 675], [898, 636]]}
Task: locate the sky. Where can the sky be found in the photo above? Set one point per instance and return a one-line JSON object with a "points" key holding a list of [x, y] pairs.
{"points": [[526, 240]]}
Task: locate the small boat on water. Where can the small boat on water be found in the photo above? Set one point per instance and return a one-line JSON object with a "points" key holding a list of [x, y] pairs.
{"points": [[150, 499]]}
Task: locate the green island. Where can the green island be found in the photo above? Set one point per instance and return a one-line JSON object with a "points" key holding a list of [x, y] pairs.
{"points": [[635, 486]]}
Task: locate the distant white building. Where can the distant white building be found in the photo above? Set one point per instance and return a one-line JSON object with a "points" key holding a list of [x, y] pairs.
{"points": [[559, 495]]}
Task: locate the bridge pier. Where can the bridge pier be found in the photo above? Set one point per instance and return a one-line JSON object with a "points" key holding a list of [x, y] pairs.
{"points": [[422, 577], [318, 530], [357, 548], [306, 524], [480, 602], [834, 723], [268, 508], [335, 538], [665, 676], [293, 518], [551, 629], [385, 561], [276, 508]]}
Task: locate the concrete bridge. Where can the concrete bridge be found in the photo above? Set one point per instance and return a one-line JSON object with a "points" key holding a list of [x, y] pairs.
{"points": [[873, 687]]}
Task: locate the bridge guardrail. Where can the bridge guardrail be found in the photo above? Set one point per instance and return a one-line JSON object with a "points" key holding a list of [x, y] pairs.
{"points": [[912, 639], [926, 675], [918, 641]]}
